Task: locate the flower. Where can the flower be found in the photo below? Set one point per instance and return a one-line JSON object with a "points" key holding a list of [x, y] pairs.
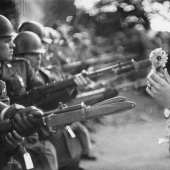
{"points": [[158, 57]]}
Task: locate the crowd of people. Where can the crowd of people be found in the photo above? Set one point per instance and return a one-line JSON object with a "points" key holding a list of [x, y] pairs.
{"points": [[25, 59]]}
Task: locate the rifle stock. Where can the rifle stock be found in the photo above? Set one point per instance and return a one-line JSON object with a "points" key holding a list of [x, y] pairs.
{"points": [[34, 95], [37, 93]]}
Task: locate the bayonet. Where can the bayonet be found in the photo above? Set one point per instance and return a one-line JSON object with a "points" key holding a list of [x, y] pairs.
{"points": [[87, 112]]}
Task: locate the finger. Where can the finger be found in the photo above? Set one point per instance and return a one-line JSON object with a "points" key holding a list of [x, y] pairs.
{"points": [[161, 75], [18, 123], [83, 79], [12, 139], [17, 128], [89, 81], [149, 91], [166, 74], [153, 69], [154, 91], [17, 136], [156, 78], [78, 82], [151, 82], [9, 144], [36, 112], [148, 84]]}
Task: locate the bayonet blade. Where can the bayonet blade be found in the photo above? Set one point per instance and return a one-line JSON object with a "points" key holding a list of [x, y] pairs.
{"points": [[88, 113]]}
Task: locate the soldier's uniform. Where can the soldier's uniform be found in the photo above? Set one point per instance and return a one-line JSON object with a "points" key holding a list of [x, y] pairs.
{"points": [[19, 77]]}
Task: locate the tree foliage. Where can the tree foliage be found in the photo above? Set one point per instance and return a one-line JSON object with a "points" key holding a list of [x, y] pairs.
{"points": [[8, 8], [58, 10], [110, 16]]}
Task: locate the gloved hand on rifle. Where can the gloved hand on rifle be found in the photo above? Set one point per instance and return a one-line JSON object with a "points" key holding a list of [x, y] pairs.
{"points": [[24, 120]]}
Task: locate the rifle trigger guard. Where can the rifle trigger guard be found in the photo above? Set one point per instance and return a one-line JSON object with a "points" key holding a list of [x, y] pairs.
{"points": [[83, 112]]}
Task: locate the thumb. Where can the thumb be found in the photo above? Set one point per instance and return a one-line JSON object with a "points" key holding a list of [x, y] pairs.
{"points": [[153, 71]]}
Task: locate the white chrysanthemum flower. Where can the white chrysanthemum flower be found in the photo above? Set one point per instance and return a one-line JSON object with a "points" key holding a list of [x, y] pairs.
{"points": [[158, 57]]}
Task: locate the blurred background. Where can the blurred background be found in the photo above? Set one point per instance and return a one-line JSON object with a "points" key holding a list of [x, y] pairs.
{"points": [[112, 26]]}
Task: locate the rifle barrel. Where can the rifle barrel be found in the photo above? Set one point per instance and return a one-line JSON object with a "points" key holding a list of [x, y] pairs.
{"points": [[64, 110], [30, 97], [98, 60], [121, 67]]}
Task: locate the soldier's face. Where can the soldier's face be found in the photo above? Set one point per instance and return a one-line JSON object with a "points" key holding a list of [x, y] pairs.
{"points": [[35, 60], [6, 48]]}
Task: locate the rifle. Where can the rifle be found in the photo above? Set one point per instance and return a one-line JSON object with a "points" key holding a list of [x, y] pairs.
{"points": [[78, 66], [104, 93], [67, 115], [38, 93]]}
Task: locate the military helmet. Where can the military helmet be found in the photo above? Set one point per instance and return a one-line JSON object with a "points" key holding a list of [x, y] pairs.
{"points": [[35, 27], [6, 28], [27, 42]]}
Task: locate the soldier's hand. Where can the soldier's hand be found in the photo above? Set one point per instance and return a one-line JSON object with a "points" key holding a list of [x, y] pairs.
{"points": [[81, 81], [12, 140], [26, 121], [84, 83]]}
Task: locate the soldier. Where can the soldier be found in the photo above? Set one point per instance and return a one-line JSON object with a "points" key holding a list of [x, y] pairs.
{"points": [[18, 75], [38, 29]]}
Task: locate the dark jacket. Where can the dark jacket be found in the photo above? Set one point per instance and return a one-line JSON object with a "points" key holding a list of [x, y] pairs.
{"points": [[19, 77]]}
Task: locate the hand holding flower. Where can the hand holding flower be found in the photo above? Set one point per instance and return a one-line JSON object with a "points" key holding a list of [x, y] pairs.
{"points": [[158, 79]]}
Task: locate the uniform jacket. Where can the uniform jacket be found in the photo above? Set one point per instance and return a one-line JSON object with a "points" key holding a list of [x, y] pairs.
{"points": [[19, 77]]}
